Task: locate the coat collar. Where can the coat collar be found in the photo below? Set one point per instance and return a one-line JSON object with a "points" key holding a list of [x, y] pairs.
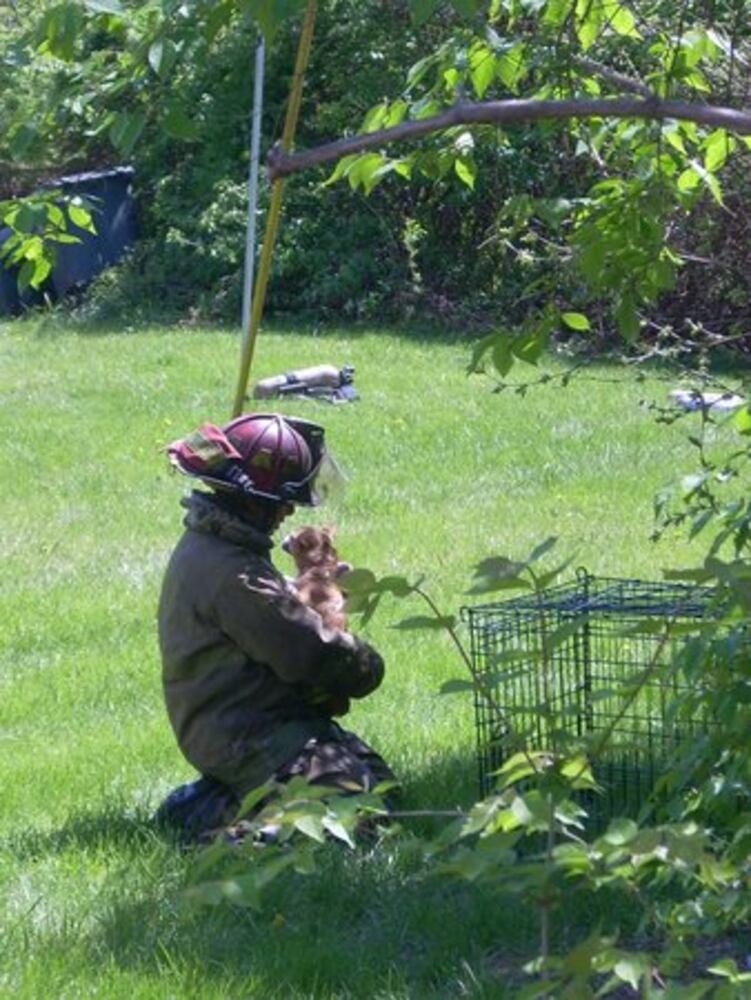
{"points": [[208, 516]]}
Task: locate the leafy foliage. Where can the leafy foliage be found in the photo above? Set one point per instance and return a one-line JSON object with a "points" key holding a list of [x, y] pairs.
{"points": [[37, 225], [598, 218]]}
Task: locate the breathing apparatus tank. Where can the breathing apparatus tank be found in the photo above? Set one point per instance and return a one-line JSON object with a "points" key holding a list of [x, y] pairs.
{"points": [[318, 376]]}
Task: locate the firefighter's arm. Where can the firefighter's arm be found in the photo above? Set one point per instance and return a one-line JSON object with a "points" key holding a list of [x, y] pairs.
{"points": [[272, 626]]}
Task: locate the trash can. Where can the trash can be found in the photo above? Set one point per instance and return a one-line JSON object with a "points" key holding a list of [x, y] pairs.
{"points": [[9, 301], [114, 216], [77, 264]]}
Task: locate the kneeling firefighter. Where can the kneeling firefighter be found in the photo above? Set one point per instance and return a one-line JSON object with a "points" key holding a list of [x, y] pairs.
{"points": [[252, 678]]}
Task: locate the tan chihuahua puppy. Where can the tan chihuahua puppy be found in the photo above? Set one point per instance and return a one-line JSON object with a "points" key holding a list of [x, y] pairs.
{"points": [[318, 568]]}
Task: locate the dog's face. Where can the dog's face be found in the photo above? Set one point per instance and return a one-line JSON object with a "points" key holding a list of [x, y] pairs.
{"points": [[311, 546]]}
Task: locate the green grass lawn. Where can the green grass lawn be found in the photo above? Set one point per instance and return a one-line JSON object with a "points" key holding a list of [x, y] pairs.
{"points": [[442, 472]]}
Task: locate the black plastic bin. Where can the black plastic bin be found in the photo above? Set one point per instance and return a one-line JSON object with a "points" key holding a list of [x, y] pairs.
{"points": [[114, 214]]}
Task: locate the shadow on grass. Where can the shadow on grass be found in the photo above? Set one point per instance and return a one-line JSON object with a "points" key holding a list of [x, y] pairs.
{"points": [[82, 832], [371, 922]]}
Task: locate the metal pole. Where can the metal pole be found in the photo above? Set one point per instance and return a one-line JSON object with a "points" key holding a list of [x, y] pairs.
{"points": [[255, 156], [275, 208]]}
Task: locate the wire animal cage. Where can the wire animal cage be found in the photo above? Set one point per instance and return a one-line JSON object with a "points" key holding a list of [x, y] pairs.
{"points": [[594, 680]]}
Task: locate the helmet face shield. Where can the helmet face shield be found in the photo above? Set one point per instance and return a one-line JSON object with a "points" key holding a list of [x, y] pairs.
{"points": [[328, 480], [325, 478]]}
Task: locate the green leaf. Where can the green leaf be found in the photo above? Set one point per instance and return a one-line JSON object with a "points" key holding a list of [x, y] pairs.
{"points": [[62, 25], [588, 28], [27, 217], [520, 766], [253, 798], [374, 119], [482, 68], [622, 21], [399, 586], [178, 124], [631, 969], [341, 169], [513, 66], [66, 238], [55, 215], [556, 12], [710, 180], [688, 180], [502, 355], [396, 113], [126, 130], [620, 832], [529, 347], [467, 8], [359, 581], [25, 275], [22, 139], [81, 217], [466, 170], [42, 268], [422, 9], [742, 421], [627, 319], [576, 321], [312, 826], [337, 829], [479, 350], [728, 968], [426, 622], [716, 150], [578, 771], [364, 171], [270, 14], [674, 138]]}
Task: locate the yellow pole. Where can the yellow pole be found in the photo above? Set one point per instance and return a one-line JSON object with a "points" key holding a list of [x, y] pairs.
{"points": [[275, 209]]}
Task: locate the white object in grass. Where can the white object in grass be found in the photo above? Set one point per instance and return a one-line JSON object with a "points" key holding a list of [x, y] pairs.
{"points": [[691, 399]]}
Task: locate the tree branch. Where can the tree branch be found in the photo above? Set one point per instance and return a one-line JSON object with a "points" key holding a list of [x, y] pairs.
{"points": [[512, 112], [619, 80]]}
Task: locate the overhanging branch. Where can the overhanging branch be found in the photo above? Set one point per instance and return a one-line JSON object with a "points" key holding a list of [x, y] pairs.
{"points": [[513, 112], [619, 80]]}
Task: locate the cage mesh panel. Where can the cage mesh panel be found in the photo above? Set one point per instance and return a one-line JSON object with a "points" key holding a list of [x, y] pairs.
{"points": [[590, 684]]}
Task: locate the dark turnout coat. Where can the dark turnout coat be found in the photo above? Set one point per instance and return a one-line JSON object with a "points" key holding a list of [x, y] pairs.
{"points": [[248, 671]]}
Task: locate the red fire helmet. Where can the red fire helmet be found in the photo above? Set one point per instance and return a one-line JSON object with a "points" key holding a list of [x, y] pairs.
{"points": [[260, 454]]}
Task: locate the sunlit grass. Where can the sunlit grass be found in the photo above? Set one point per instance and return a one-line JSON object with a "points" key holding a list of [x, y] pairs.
{"points": [[442, 472]]}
